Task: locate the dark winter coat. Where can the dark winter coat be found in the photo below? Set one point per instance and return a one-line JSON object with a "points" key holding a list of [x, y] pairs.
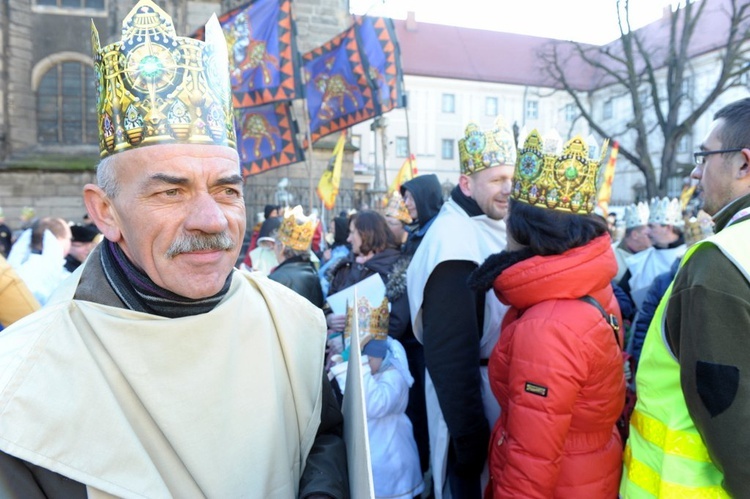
{"points": [[348, 272], [299, 275]]}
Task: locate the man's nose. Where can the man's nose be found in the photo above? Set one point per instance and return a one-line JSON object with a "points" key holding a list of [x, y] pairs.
{"points": [[697, 173], [206, 215]]}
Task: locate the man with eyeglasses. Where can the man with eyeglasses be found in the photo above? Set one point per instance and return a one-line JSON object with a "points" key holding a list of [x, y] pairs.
{"points": [[688, 433]]}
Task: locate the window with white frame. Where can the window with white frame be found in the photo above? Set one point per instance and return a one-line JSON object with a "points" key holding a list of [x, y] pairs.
{"points": [[66, 105], [490, 106], [570, 112], [402, 147], [448, 147], [449, 103], [532, 109], [607, 110]]}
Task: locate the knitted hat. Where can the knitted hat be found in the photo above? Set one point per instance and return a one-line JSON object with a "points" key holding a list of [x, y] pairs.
{"points": [[83, 233]]}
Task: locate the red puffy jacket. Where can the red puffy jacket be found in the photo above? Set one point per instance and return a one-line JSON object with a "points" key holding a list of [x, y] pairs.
{"points": [[557, 372]]}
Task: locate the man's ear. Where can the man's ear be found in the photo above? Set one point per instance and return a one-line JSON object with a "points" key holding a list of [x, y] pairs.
{"points": [[464, 183], [744, 171], [102, 212]]}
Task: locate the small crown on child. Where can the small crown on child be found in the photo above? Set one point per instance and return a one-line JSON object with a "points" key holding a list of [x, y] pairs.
{"points": [[296, 230], [636, 215], [373, 321], [397, 209], [479, 150], [559, 181], [665, 211]]}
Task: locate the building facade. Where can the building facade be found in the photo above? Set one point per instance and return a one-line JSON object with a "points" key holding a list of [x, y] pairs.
{"points": [[453, 76], [48, 135]]}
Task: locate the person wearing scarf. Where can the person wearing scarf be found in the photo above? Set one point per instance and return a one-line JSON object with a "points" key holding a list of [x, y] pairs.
{"points": [[157, 369], [457, 325]]}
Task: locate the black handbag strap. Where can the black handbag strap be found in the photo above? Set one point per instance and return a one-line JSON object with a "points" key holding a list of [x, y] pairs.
{"points": [[610, 318]]}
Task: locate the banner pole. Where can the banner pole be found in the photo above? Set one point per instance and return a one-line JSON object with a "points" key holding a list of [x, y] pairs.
{"points": [[408, 137], [309, 161]]}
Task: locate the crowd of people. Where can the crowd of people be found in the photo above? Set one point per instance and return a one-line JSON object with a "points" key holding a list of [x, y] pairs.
{"points": [[38, 257], [162, 349]]}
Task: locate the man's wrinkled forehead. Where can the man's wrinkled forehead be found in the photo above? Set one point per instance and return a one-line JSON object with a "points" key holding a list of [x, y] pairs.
{"points": [[180, 155]]}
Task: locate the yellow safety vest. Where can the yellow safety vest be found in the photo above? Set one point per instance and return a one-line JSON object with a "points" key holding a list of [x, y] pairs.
{"points": [[665, 456]]}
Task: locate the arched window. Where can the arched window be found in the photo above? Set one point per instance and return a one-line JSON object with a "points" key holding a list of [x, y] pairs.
{"points": [[66, 105]]}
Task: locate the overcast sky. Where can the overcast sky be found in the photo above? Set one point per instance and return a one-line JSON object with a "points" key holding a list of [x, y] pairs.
{"points": [[588, 21]]}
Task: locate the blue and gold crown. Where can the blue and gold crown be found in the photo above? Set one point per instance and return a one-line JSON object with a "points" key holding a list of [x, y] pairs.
{"points": [[480, 149], [559, 181], [154, 87]]}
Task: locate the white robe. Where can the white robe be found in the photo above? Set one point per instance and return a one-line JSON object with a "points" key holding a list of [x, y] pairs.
{"points": [[646, 265], [221, 404], [395, 461], [455, 236]]}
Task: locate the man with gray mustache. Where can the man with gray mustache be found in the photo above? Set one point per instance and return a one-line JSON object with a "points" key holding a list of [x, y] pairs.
{"points": [[188, 243], [157, 370]]}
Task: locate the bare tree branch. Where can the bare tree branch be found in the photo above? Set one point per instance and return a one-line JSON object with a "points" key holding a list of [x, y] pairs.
{"points": [[654, 68]]}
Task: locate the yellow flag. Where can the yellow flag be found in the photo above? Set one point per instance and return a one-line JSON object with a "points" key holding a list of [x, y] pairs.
{"points": [[328, 186], [605, 190], [407, 172], [686, 195]]}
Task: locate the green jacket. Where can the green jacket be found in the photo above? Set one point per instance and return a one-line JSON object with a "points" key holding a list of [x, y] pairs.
{"points": [[708, 330], [666, 456]]}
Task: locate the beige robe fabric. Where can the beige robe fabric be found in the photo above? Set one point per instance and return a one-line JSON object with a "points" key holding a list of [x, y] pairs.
{"points": [[223, 404]]}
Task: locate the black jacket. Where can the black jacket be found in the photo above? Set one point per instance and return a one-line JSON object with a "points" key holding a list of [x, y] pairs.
{"points": [[299, 275]]}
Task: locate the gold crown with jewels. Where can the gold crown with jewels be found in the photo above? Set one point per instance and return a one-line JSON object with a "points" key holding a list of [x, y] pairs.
{"points": [[296, 230], [373, 321], [154, 87], [481, 149], [563, 181]]}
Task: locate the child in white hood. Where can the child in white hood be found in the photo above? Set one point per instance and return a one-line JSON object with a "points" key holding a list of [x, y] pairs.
{"points": [[396, 470]]}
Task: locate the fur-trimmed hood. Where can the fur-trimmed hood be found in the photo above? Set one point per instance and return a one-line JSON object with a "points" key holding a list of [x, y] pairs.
{"points": [[396, 286]]}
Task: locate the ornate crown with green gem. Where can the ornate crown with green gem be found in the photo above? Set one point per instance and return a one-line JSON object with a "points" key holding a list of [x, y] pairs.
{"points": [[560, 181], [484, 149], [154, 87]]}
